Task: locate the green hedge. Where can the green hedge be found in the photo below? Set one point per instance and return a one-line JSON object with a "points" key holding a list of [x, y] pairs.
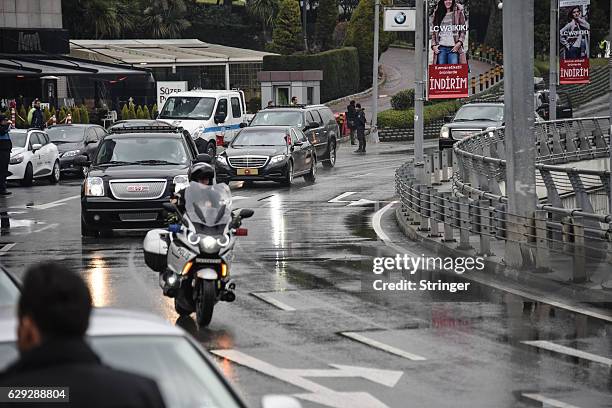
{"points": [[403, 99], [404, 119], [340, 69]]}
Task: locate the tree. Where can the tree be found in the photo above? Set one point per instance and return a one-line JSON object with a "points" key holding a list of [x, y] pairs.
{"points": [[286, 38], [84, 114], [360, 34], [99, 18], [139, 113], [327, 18], [131, 112], [154, 111], [21, 119], [265, 12], [146, 114], [76, 115], [125, 113], [165, 18]]}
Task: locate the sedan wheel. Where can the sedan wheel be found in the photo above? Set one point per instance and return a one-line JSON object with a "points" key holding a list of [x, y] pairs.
{"points": [[289, 177], [331, 161], [28, 176], [54, 178]]}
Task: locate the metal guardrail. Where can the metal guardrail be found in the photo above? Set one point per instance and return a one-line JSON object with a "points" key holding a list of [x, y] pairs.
{"points": [[476, 206]]}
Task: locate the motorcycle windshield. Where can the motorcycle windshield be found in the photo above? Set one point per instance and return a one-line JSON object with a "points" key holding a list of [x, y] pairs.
{"points": [[208, 205]]}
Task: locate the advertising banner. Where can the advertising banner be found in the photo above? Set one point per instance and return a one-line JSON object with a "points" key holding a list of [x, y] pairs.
{"points": [[448, 44], [399, 19], [574, 37], [165, 88]]}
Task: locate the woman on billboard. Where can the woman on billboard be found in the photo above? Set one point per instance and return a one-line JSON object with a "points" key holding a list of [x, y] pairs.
{"points": [[575, 35], [449, 28]]}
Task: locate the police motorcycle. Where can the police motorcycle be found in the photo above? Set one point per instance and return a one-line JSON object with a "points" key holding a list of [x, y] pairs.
{"points": [[194, 256]]}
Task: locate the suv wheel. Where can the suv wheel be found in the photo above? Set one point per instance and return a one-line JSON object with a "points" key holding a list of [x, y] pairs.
{"points": [[331, 154]]}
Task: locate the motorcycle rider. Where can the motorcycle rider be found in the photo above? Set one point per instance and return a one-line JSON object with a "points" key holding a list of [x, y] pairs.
{"points": [[202, 173]]}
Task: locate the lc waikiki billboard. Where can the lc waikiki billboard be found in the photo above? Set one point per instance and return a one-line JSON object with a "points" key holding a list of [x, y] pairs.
{"points": [[574, 37], [448, 44]]}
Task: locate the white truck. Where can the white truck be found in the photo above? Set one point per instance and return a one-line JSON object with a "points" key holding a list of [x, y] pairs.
{"points": [[210, 116]]}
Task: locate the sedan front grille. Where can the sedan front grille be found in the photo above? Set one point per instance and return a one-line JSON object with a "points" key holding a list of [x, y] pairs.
{"points": [[461, 133], [251, 162], [145, 189]]}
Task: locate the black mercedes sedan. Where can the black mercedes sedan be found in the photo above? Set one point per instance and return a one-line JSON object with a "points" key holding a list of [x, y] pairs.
{"points": [[130, 177], [268, 153]]}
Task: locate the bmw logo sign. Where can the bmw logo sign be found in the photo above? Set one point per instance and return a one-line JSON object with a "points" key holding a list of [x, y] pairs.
{"points": [[400, 18]]}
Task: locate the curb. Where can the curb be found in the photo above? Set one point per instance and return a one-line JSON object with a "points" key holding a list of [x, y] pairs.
{"points": [[347, 98], [524, 278]]}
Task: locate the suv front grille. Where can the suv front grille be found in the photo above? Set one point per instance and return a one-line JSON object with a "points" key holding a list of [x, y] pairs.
{"points": [[461, 133], [145, 189], [252, 162]]}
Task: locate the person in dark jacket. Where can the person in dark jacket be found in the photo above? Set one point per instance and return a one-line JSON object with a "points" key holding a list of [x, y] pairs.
{"points": [[38, 120], [360, 122], [350, 118], [5, 153], [53, 314]]}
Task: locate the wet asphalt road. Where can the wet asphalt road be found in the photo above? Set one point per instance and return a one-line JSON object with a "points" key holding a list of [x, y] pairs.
{"points": [[303, 302]]}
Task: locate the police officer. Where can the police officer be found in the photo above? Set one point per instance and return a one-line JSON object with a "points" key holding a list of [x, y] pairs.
{"points": [[360, 123], [38, 120], [5, 153]]}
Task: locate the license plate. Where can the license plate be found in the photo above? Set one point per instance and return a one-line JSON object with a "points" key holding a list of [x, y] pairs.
{"points": [[247, 172]]}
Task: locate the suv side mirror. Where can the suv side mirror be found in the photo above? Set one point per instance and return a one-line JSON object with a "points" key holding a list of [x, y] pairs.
{"points": [[243, 125], [246, 213], [220, 118], [36, 146], [448, 118], [203, 158], [81, 160]]}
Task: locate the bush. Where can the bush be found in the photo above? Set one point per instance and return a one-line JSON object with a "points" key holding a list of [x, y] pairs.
{"points": [[360, 34], [403, 100], [84, 114], [340, 69], [254, 104], [404, 119], [22, 118], [125, 112], [139, 113], [76, 115], [286, 37], [146, 114], [154, 111], [131, 112]]}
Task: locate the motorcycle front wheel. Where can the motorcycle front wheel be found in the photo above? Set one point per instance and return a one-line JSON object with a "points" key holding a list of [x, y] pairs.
{"points": [[205, 303]]}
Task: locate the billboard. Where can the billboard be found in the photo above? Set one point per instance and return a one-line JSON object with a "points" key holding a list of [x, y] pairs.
{"points": [[165, 88], [448, 43], [399, 19], [574, 38]]}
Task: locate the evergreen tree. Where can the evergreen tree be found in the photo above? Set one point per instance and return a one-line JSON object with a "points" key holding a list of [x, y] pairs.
{"points": [[145, 112], [61, 115], [84, 114], [360, 34], [154, 111], [76, 115], [327, 18], [286, 38], [125, 114], [139, 113], [46, 115], [21, 118], [131, 112]]}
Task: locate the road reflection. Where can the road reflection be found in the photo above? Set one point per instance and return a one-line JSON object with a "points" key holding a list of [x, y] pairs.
{"points": [[96, 278]]}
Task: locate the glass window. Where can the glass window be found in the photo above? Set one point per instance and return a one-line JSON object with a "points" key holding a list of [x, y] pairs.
{"points": [[301, 135], [256, 137], [18, 138], [66, 134], [319, 118], [309, 95], [309, 117], [36, 139], [494, 113], [221, 108], [271, 117], [100, 132], [91, 134], [195, 108], [294, 137], [154, 151], [236, 111], [9, 294]]}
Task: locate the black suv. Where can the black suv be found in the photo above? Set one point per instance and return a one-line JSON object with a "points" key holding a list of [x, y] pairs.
{"points": [[132, 174], [74, 140], [316, 121]]}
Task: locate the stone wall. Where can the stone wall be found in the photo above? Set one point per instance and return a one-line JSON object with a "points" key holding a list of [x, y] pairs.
{"points": [[31, 13]]}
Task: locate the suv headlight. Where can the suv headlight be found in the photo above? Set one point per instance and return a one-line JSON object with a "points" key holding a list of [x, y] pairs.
{"points": [[277, 159], [18, 158], [70, 153], [444, 132], [180, 183], [490, 130], [222, 160], [94, 187]]}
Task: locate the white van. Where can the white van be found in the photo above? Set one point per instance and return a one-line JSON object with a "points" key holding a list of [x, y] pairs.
{"points": [[210, 116]]}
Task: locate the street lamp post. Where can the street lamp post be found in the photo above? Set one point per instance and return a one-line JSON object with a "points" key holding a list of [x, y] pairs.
{"points": [[419, 94], [374, 121], [554, 34], [304, 31]]}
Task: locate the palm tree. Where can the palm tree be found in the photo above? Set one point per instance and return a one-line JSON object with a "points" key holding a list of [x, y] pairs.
{"points": [[98, 18], [165, 18], [265, 11]]}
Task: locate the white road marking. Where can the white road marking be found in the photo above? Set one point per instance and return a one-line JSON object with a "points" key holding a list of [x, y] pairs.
{"points": [[360, 175], [236, 198], [46, 228], [557, 348], [341, 196], [6, 248], [382, 346], [504, 288], [317, 393], [269, 299], [387, 378], [53, 203], [361, 202], [548, 402]]}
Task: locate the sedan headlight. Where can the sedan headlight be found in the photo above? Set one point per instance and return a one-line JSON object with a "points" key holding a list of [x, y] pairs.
{"points": [[277, 159], [70, 153], [180, 183], [222, 160], [94, 187], [18, 158], [444, 132]]}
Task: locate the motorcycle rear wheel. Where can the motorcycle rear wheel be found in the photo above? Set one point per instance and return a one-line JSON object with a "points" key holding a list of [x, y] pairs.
{"points": [[205, 303]]}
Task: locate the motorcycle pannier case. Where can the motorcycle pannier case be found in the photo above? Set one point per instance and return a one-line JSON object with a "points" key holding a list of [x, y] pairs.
{"points": [[155, 247]]}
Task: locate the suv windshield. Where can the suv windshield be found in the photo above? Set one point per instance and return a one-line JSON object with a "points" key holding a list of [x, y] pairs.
{"points": [[479, 112], [142, 150], [256, 137], [278, 118], [66, 134], [18, 138], [190, 107]]}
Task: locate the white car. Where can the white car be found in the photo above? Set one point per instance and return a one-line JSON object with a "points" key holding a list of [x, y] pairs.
{"points": [[33, 157]]}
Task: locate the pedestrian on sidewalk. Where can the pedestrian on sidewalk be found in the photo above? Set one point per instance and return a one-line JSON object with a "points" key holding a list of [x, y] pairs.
{"points": [[5, 153], [350, 119], [38, 120], [360, 123]]}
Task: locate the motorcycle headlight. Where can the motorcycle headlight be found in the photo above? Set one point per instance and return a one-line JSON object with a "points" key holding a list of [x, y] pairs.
{"points": [[94, 187], [18, 158], [70, 153], [444, 132], [222, 160], [209, 245], [180, 183], [277, 159]]}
